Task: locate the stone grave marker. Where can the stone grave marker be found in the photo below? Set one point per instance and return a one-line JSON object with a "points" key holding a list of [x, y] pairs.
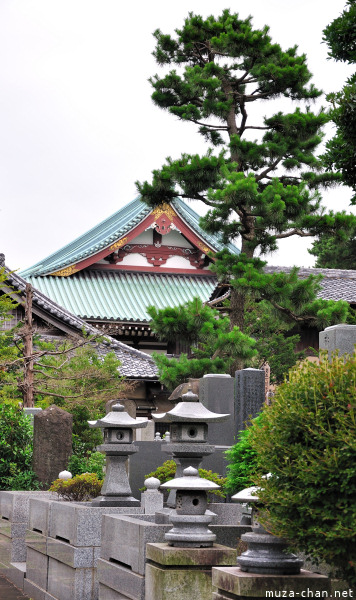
{"points": [[341, 338], [250, 395], [52, 443]]}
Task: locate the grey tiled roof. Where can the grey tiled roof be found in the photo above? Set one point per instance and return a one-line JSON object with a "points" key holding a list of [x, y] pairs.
{"points": [[134, 363], [337, 284]]}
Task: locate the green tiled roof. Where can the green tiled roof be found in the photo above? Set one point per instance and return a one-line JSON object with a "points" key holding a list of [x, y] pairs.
{"points": [[108, 231], [121, 296]]}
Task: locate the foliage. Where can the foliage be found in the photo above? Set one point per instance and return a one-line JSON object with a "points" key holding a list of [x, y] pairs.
{"points": [[242, 465], [94, 462], [15, 450], [340, 150], [85, 439], [8, 351], [76, 376], [308, 442], [260, 190], [80, 488], [167, 471], [335, 253]]}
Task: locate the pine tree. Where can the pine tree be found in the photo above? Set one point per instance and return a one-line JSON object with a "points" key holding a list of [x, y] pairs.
{"points": [[340, 36], [257, 190], [340, 251]]}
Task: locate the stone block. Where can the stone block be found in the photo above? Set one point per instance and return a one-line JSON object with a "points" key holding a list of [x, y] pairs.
{"points": [[119, 579], [39, 514], [14, 506], [5, 553], [34, 591], [37, 541], [12, 550], [37, 568], [77, 558], [183, 573], [170, 556], [106, 593], [124, 540], [66, 583], [341, 338], [233, 583], [80, 523], [12, 530], [17, 573]]}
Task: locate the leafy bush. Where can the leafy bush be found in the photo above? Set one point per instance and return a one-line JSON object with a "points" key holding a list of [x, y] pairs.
{"points": [[79, 489], [94, 462], [242, 459], [167, 471], [85, 439], [16, 450], [308, 442]]}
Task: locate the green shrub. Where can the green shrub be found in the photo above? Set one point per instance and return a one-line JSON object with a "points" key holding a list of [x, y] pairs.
{"points": [[85, 439], [242, 460], [16, 450], [167, 471], [94, 462], [79, 489], [308, 443]]}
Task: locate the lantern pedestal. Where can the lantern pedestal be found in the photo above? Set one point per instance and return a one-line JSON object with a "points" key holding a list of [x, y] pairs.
{"points": [[116, 477]]}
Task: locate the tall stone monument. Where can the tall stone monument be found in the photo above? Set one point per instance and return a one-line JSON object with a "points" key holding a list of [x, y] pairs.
{"points": [[341, 338], [216, 393], [250, 395], [52, 443]]}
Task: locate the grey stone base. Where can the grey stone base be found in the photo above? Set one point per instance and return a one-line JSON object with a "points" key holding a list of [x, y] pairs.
{"points": [[121, 580], [103, 501], [230, 583]]}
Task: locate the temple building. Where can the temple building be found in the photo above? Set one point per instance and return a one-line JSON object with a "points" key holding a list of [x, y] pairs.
{"points": [[136, 258]]}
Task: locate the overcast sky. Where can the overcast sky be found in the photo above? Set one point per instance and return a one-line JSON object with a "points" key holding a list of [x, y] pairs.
{"points": [[77, 124]]}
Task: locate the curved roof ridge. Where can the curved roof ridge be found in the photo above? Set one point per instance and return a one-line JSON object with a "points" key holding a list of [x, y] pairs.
{"points": [[89, 242], [110, 229]]}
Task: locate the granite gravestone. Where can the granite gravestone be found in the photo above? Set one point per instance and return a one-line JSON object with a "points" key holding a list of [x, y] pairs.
{"points": [[52, 443], [341, 338], [250, 395], [216, 392]]}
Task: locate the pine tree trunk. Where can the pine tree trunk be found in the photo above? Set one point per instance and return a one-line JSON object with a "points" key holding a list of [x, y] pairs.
{"points": [[28, 401]]}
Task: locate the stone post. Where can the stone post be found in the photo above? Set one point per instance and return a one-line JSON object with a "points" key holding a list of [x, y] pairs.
{"points": [[181, 569], [341, 338], [250, 395], [216, 393], [52, 443]]}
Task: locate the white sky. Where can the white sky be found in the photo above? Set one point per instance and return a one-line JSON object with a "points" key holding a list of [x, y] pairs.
{"points": [[77, 124]]}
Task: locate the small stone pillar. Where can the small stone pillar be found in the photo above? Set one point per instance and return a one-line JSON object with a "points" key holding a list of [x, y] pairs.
{"points": [[118, 429], [152, 498], [181, 569], [338, 338], [52, 443], [189, 434], [250, 395]]}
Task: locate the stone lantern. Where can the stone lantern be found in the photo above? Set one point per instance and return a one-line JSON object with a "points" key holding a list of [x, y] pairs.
{"points": [[266, 553], [191, 517], [117, 428], [189, 434]]}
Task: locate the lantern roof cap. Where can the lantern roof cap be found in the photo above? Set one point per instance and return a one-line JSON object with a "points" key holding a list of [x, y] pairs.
{"points": [[118, 417], [190, 481], [191, 410]]}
